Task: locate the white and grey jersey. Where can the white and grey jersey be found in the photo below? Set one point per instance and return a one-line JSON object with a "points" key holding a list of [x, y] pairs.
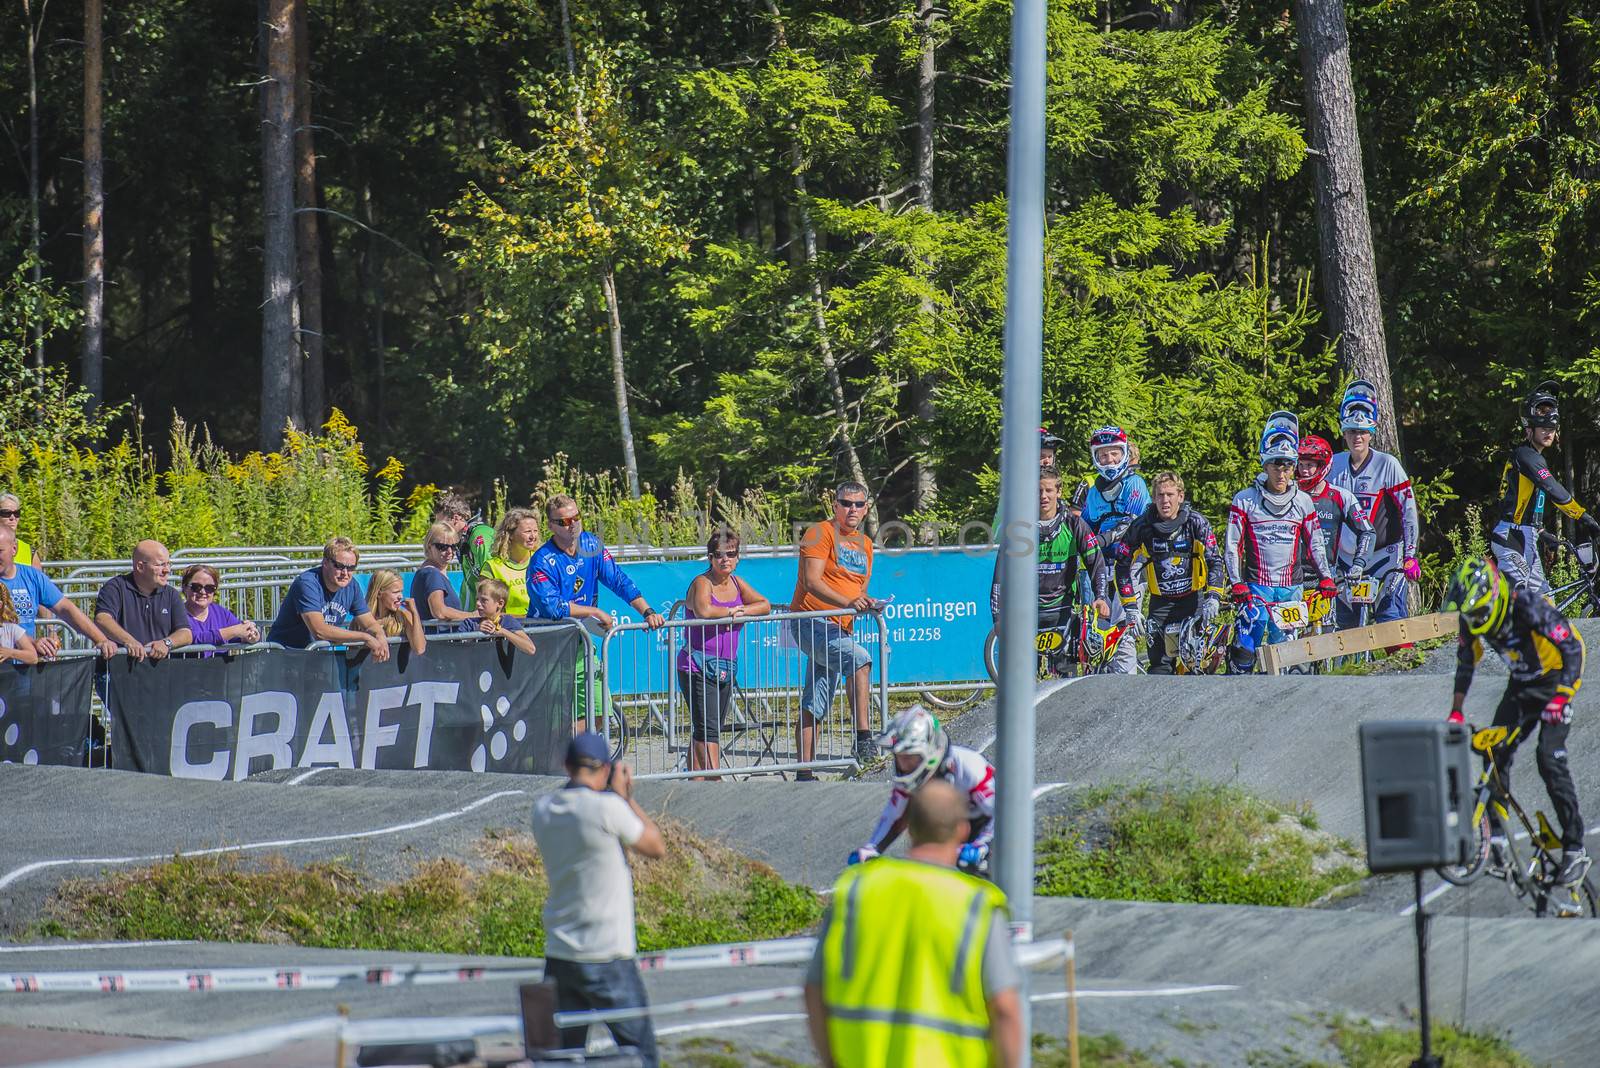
{"points": [[1384, 490], [1267, 542]]}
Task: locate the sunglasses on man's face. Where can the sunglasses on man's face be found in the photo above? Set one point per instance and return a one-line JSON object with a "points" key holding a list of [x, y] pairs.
{"points": [[569, 521], [198, 588], [337, 566], [10, 513], [851, 504]]}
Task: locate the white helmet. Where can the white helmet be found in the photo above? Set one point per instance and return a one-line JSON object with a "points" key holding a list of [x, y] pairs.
{"points": [[916, 731], [1359, 408]]}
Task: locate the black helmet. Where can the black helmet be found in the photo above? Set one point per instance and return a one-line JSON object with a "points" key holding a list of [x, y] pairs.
{"points": [[1541, 408], [1048, 440]]}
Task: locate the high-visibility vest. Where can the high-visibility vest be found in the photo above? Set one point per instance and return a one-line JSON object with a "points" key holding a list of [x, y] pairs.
{"points": [[516, 580], [24, 553], [903, 966]]}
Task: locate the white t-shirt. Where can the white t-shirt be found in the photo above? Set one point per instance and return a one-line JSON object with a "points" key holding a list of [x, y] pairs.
{"points": [[11, 635], [581, 834]]}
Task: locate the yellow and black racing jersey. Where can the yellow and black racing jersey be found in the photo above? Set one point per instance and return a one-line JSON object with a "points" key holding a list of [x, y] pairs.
{"points": [[1536, 642], [1526, 476]]}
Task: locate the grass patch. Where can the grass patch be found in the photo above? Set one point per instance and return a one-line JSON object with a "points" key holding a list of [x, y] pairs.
{"points": [[701, 892], [1364, 1045], [1094, 1051], [703, 1052], [1195, 843]]}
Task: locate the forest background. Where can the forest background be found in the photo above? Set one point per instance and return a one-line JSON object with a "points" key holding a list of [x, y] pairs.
{"points": [[775, 228]]}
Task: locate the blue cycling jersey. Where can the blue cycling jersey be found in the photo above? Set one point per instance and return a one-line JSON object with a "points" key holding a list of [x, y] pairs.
{"points": [[1109, 518], [557, 581]]}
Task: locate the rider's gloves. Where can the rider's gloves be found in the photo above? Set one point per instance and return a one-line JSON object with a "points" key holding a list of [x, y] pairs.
{"points": [[1557, 711], [1413, 569], [1134, 620], [1240, 593], [1354, 573], [1326, 588], [1590, 526], [1208, 609], [857, 856], [1456, 716], [971, 855]]}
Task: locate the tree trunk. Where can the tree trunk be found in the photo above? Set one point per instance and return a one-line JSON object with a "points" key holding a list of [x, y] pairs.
{"points": [[1349, 273], [94, 201], [280, 404], [374, 282], [619, 377], [308, 244], [923, 387], [202, 272], [819, 299], [33, 171]]}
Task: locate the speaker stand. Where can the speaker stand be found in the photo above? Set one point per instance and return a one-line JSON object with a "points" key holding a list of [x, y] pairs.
{"points": [[1428, 1059]]}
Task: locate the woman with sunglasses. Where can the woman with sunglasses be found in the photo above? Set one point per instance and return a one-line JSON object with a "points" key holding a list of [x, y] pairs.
{"points": [[209, 621], [709, 662], [432, 589]]}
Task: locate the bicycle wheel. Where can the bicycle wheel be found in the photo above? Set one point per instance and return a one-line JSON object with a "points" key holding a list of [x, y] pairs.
{"points": [[954, 700], [1477, 861], [991, 655], [616, 728]]}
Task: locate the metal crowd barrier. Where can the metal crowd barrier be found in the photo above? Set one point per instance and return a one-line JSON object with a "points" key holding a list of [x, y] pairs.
{"points": [[642, 708]]}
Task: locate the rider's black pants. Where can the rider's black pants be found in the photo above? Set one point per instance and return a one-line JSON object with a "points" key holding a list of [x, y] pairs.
{"points": [[1167, 613], [1521, 704]]}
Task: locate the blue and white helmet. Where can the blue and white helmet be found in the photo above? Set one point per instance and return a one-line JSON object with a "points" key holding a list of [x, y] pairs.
{"points": [[1106, 436], [1280, 440], [1359, 408]]}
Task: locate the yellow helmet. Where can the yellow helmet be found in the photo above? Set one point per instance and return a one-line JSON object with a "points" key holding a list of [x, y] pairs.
{"points": [[1480, 593]]}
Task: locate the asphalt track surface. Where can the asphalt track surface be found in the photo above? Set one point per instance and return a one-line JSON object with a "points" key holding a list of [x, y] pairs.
{"points": [[1289, 739]]}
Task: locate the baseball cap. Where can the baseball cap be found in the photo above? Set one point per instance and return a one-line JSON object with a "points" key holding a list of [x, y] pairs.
{"points": [[588, 750]]}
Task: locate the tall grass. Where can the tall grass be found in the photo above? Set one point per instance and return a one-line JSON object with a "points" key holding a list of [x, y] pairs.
{"points": [[82, 503]]}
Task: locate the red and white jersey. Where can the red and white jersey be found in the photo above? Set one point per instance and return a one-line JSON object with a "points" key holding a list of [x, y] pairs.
{"points": [[1384, 490], [1266, 545], [969, 772]]}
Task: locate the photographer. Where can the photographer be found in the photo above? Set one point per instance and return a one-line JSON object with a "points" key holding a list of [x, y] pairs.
{"points": [[582, 830]]}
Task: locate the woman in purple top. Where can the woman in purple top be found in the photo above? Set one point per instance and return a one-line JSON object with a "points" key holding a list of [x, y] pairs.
{"points": [[211, 623], [710, 659]]}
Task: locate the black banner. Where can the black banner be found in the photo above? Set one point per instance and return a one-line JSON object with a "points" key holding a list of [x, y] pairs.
{"points": [[44, 711], [462, 706]]}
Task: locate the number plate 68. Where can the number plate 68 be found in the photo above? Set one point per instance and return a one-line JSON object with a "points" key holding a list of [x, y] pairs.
{"points": [[1048, 642]]}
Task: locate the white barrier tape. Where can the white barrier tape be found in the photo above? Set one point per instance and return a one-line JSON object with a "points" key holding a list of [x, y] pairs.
{"points": [[206, 1050], [207, 980], [328, 977], [1152, 992]]}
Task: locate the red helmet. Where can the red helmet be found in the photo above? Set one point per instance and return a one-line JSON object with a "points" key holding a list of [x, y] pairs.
{"points": [[1316, 451]]}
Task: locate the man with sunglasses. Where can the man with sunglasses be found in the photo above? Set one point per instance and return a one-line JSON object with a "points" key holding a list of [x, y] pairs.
{"points": [[324, 601], [835, 568], [568, 570], [1545, 658]]}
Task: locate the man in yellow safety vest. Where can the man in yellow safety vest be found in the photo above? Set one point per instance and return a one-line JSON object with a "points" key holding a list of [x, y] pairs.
{"points": [[914, 964]]}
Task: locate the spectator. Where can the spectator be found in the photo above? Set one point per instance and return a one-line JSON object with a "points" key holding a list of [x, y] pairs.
{"points": [[569, 569], [492, 618], [210, 622], [475, 537], [515, 540], [140, 610], [14, 641], [914, 963], [31, 591], [709, 662], [396, 614], [323, 600], [835, 568], [431, 587], [590, 945], [11, 518]]}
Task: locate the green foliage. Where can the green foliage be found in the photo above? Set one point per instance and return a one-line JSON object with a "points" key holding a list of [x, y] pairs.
{"points": [[1095, 1051], [1367, 1045], [1194, 843], [700, 893], [81, 503], [40, 405]]}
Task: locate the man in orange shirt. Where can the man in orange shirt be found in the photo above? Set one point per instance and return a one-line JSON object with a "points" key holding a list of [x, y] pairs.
{"points": [[835, 567]]}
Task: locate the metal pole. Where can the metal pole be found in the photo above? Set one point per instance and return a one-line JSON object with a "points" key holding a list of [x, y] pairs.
{"points": [[1019, 471]]}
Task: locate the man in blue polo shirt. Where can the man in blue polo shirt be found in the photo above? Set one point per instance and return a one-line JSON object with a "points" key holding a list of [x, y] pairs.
{"points": [[31, 590]]}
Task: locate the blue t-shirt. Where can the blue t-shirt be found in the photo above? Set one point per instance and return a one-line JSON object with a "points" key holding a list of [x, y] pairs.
{"points": [[424, 582], [307, 594], [31, 590]]}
